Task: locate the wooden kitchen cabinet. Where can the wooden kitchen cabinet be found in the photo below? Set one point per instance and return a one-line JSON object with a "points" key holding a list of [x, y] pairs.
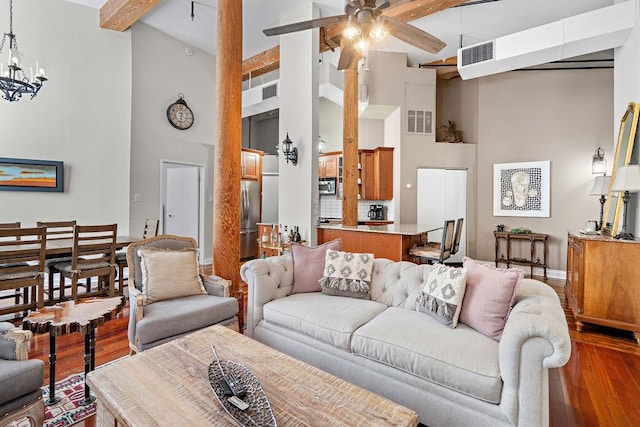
{"points": [[328, 165], [376, 174], [603, 282], [251, 165]]}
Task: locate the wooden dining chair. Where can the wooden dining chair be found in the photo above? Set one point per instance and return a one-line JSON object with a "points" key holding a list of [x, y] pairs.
{"points": [[22, 256], [150, 230], [14, 293], [93, 255], [432, 252], [457, 236], [56, 230]]}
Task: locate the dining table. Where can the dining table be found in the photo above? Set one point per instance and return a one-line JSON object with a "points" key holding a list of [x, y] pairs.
{"points": [[57, 248]]}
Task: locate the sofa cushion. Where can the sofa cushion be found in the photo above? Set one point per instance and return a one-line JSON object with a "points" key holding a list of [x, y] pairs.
{"points": [[310, 265], [490, 294], [327, 318], [19, 378], [419, 345], [347, 274], [167, 318], [169, 274], [441, 297]]}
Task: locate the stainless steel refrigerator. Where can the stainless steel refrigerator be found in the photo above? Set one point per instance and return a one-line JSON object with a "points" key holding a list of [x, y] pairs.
{"points": [[249, 217]]}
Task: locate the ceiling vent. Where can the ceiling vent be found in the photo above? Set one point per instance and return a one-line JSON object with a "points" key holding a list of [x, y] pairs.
{"points": [[261, 98], [582, 34], [477, 53]]}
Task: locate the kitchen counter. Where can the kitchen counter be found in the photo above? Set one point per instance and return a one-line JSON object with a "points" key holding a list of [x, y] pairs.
{"points": [[402, 229], [391, 241]]}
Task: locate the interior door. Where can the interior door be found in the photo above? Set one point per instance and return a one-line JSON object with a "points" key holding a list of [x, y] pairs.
{"points": [[182, 200]]}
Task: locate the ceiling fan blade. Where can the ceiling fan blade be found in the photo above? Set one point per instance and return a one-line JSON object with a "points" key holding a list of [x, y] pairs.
{"points": [[412, 35], [348, 54], [304, 25]]}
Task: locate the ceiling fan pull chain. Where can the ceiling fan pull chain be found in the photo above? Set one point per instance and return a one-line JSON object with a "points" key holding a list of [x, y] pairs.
{"points": [[193, 15]]}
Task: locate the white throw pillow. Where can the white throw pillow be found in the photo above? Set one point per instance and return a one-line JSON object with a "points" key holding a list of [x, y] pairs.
{"points": [[169, 274], [442, 295]]}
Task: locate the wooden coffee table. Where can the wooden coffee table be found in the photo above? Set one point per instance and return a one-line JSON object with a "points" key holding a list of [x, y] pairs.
{"points": [[168, 385], [68, 317]]}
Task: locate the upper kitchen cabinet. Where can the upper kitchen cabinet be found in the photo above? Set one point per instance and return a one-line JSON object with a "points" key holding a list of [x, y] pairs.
{"points": [[250, 163], [328, 165], [375, 168]]}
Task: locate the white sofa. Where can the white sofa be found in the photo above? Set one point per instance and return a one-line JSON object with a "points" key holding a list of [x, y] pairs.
{"points": [[450, 377]]}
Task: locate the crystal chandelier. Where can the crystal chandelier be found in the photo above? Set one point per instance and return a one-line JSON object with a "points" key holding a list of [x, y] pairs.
{"points": [[13, 81]]}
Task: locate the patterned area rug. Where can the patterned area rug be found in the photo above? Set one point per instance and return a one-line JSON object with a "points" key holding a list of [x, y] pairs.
{"points": [[68, 410]]}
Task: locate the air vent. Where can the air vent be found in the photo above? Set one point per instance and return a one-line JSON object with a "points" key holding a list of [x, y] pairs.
{"points": [[269, 91], [477, 53], [419, 121]]}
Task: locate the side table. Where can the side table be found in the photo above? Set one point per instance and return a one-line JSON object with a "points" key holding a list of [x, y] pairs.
{"points": [[532, 238], [68, 317]]}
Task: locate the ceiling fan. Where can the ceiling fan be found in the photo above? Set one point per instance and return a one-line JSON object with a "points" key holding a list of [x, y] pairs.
{"points": [[365, 20]]}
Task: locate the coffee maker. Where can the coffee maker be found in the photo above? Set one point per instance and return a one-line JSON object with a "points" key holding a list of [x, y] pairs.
{"points": [[379, 212], [373, 213]]}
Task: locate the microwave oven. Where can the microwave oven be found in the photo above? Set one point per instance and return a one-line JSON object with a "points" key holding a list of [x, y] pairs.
{"points": [[327, 186]]}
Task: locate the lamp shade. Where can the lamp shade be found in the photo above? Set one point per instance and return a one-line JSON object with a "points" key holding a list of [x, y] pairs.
{"points": [[600, 186], [627, 179]]}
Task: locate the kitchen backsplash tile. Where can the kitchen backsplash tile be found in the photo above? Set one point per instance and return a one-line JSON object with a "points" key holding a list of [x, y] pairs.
{"points": [[331, 207]]}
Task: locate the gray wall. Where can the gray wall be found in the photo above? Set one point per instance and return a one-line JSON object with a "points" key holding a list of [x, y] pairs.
{"points": [[82, 116], [161, 70], [561, 116]]}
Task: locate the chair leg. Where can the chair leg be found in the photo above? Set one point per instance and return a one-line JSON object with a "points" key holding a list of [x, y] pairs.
{"points": [[51, 273]]}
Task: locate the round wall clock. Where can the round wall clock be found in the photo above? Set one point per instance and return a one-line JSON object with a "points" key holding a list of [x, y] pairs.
{"points": [[179, 114]]}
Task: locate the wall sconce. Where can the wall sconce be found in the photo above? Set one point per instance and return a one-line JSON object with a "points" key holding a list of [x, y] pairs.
{"points": [[599, 164], [321, 144], [290, 152]]}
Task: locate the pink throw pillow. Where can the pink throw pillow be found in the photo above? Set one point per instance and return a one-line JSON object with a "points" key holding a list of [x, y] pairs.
{"points": [[308, 265], [489, 296]]}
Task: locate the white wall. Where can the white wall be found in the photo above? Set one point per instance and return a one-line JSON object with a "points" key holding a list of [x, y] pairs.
{"points": [[299, 74], [161, 70], [82, 115]]}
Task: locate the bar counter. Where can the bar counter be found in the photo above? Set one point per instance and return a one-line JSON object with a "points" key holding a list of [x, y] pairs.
{"points": [[390, 241]]}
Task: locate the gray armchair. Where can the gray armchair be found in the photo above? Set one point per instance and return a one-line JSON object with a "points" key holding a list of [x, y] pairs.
{"points": [[151, 324], [20, 378]]}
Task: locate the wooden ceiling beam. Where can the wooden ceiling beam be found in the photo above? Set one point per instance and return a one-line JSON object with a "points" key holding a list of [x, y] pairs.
{"points": [[258, 65], [261, 63], [446, 69], [119, 15]]}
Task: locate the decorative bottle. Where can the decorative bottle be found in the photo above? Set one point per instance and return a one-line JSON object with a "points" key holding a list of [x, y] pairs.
{"points": [[274, 235], [265, 236], [297, 237]]}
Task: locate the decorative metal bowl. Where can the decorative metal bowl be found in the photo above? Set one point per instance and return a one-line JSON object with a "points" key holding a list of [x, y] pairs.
{"points": [[259, 412]]}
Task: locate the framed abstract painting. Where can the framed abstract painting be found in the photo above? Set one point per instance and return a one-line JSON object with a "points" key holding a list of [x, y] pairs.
{"points": [[31, 175], [521, 189]]}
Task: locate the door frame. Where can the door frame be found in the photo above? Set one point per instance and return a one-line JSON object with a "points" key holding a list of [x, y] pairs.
{"points": [[201, 197]]}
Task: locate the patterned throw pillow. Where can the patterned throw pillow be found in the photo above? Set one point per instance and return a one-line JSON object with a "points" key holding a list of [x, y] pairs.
{"points": [[347, 274], [441, 297]]}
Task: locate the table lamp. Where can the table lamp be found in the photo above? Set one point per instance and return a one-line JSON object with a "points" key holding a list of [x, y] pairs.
{"points": [[627, 180], [601, 188]]}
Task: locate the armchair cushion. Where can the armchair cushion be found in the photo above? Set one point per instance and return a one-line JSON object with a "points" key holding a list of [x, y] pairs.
{"points": [[19, 378], [169, 274], [168, 318]]}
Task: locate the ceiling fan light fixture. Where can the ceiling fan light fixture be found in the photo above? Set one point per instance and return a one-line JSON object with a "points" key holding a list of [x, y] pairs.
{"points": [[351, 31], [378, 32], [362, 44]]}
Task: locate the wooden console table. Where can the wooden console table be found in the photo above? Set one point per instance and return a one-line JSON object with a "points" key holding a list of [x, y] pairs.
{"points": [[533, 238]]}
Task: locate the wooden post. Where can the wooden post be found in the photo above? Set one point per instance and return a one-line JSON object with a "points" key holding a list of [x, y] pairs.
{"points": [[350, 146], [226, 207]]}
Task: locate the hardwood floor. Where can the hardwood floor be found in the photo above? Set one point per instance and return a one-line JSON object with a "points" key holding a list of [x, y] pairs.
{"points": [[599, 386]]}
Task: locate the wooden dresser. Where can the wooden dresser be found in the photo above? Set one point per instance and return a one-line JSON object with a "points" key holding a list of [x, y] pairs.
{"points": [[603, 281]]}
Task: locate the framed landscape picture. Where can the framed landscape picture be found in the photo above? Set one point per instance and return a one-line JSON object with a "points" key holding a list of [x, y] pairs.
{"points": [[31, 175], [521, 189]]}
